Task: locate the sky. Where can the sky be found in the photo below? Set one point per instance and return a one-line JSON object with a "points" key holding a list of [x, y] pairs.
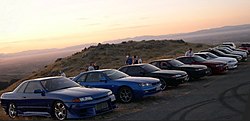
{"points": [[42, 24]]}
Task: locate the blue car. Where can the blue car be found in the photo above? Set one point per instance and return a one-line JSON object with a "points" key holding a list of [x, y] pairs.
{"points": [[56, 97], [125, 88]]}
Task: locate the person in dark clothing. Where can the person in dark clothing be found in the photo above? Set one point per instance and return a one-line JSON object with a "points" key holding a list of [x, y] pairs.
{"points": [[129, 60], [135, 61], [96, 67]]}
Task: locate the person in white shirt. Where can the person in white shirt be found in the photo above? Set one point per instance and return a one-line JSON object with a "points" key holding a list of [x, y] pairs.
{"points": [[189, 53]]}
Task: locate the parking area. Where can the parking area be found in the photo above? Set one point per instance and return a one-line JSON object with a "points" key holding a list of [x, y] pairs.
{"points": [[218, 97]]}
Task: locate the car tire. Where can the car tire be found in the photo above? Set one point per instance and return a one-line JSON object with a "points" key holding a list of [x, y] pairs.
{"points": [[59, 111], [125, 94], [163, 84], [12, 112], [209, 71]]}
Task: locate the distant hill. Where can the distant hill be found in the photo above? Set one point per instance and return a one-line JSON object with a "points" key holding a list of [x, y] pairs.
{"points": [[237, 34], [16, 66], [113, 56]]}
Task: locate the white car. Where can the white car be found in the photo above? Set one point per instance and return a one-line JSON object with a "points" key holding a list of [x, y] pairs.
{"points": [[229, 51], [232, 63], [230, 44]]}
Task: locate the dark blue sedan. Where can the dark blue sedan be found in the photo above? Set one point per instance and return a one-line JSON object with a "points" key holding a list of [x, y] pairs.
{"points": [[56, 97], [126, 88]]}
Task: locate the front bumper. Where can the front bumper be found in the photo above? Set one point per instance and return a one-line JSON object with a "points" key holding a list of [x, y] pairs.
{"points": [[177, 81], [232, 65], [91, 108]]}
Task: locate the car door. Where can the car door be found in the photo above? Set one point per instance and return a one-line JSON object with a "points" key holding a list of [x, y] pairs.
{"points": [[34, 102], [97, 80]]}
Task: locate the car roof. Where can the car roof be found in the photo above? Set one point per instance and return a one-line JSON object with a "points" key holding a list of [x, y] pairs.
{"points": [[202, 53], [135, 65], [100, 70], [44, 78], [162, 60]]}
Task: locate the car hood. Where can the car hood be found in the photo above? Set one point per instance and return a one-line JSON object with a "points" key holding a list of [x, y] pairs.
{"points": [[225, 59], [82, 92], [170, 72], [214, 62], [139, 79], [193, 66]]}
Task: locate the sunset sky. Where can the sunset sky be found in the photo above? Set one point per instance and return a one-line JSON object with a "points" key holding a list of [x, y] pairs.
{"points": [[40, 24]]}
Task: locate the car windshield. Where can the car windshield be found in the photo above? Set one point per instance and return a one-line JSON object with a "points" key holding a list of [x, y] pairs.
{"points": [[199, 59], [115, 74], [220, 52], [150, 68], [211, 55], [58, 83], [176, 63]]}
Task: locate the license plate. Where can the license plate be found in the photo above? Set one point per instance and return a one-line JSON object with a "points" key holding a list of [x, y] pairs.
{"points": [[101, 106]]}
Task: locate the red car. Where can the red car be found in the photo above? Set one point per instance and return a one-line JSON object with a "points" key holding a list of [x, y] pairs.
{"points": [[245, 46], [215, 67]]}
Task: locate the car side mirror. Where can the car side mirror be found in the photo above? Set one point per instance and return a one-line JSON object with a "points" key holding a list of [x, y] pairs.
{"points": [[39, 91]]}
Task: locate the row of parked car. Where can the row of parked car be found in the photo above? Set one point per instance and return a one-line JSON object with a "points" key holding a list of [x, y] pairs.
{"points": [[95, 92]]}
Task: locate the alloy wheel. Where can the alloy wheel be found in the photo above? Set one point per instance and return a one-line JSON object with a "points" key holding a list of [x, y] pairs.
{"points": [[60, 111], [163, 84], [125, 95], [12, 111]]}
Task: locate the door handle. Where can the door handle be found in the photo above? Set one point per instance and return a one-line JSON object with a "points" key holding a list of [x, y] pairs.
{"points": [[24, 97]]}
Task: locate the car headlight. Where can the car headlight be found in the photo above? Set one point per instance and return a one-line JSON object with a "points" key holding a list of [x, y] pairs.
{"points": [[145, 84], [83, 99], [177, 75], [239, 57], [110, 93]]}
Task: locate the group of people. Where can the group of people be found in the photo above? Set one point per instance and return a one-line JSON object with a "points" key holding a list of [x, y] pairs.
{"points": [[132, 60], [92, 66]]}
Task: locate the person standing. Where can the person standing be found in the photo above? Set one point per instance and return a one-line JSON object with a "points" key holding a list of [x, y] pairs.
{"points": [[96, 67], [140, 60], [91, 67], [62, 74], [129, 60], [135, 60], [189, 53]]}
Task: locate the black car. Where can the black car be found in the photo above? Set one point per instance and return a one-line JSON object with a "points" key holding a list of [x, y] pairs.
{"points": [[194, 71], [221, 54], [167, 77]]}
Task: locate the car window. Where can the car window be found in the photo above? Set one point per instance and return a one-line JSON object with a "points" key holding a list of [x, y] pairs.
{"points": [[133, 71], [32, 86], [94, 77], [114, 74], [82, 78], [204, 56], [123, 69], [155, 64], [57, 84], [186, 60], [165, 65], [21, 88]]}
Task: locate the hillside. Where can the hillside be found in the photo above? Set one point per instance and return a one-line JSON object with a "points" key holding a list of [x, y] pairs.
{"points": [[113, 56]]}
